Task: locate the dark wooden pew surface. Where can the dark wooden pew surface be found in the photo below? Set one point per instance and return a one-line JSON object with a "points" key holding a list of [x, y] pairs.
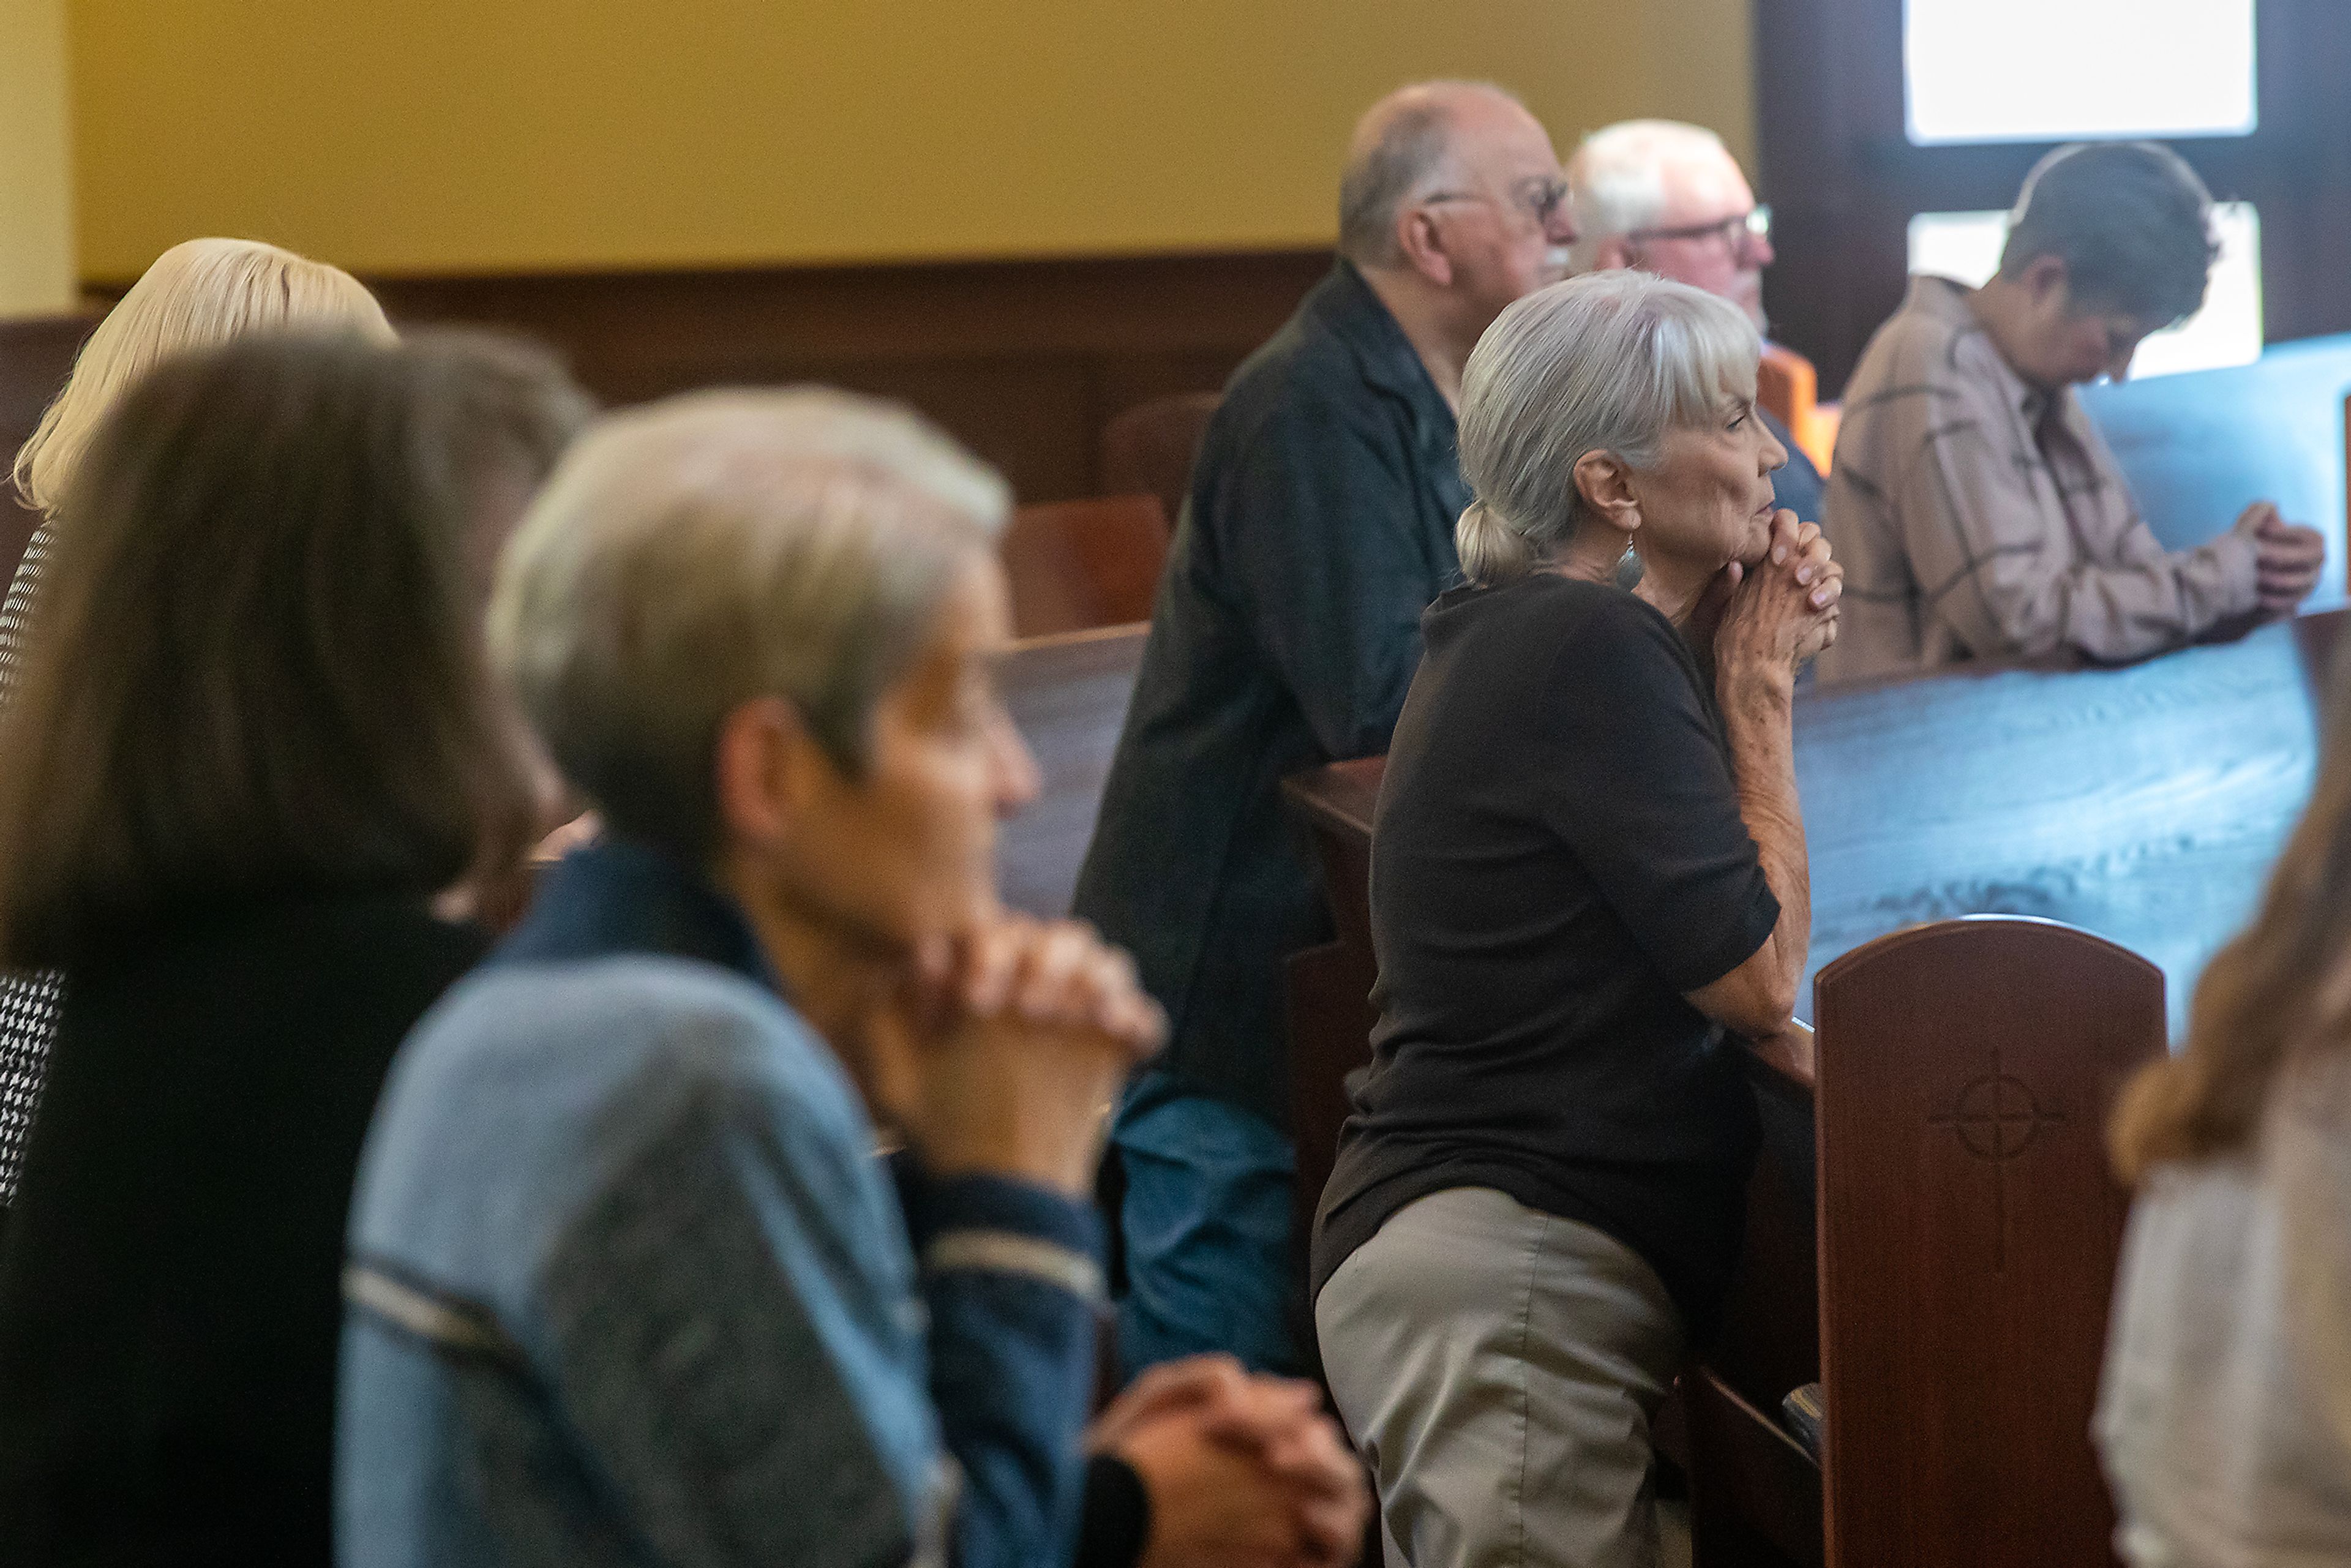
{"points": [[1069, 695], [2145, 804]]}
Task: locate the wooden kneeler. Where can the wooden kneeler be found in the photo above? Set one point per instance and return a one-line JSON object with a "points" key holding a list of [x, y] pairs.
{"points": [[1967, 1229]]}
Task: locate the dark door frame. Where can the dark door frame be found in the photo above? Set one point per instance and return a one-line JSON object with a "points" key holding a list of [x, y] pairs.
{"points": [[1844, 179]]}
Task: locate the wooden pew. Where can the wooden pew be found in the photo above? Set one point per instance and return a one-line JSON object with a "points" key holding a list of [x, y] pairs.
{"points": [[1069, 695], [1075, 566], [2144, 805], [1968, 1234], [1150, 448], [1328, 988]]}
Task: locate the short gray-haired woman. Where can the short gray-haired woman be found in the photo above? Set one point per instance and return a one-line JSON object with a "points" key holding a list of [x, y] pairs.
{"points": [[1588, 866]]}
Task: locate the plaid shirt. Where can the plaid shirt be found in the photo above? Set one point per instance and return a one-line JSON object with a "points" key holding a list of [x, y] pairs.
{"points": [[1980, 518]]}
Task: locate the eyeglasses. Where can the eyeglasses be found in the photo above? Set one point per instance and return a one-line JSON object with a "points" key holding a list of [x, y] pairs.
{"points": [[1538, 199], [1751, 228]]}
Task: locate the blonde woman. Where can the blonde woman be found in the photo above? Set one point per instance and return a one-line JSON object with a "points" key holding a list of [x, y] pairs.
{"points": [[2225, 1414], [197, 294]]}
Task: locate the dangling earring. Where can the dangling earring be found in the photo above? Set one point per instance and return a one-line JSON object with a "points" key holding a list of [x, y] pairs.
{"points": [[1629, 567]]}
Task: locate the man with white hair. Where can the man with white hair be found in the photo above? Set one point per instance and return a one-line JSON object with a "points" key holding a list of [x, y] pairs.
{"points": [[1669, 198], [1319, 526]]}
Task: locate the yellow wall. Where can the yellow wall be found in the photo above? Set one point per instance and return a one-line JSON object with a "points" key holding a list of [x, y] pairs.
{"points": [[407, 136], [36, 238]]}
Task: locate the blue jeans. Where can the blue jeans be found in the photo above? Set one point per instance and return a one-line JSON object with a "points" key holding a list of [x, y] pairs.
{"points": [[1207, 1222]]}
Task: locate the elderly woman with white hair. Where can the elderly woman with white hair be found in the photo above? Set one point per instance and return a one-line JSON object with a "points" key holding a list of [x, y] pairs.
{"points": [[1587, 868]]}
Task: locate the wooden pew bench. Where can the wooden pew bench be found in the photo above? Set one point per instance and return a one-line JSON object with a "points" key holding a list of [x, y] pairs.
{"points": [[1069, 695], [1967, 1235], [1077, 565]]}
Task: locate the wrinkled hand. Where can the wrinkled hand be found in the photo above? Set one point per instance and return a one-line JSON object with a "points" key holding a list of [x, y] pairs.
{"points": [[1004, 1046], [1241, 1469], [1784, 610], [2287, 558]]}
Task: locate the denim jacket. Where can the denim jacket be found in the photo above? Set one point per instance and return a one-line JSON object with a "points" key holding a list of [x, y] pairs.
{"points": [[628, 1282]]}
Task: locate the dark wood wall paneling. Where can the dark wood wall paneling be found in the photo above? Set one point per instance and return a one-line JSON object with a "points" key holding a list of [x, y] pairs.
{"points": [[1844, 179], [1025, 362]]}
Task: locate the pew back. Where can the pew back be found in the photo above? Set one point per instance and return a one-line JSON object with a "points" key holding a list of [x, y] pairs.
{"points": [[1328, 989], [1069, 695], [1150, 448], [1077, 564], [1968, 1229], [2146, 804]]}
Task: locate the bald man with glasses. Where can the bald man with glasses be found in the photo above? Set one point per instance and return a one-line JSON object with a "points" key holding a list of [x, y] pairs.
{"points": [[1319, 527], [1668, 198]]}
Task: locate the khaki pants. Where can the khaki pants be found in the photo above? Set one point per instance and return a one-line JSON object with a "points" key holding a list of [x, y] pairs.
{"points": [[1498, 1367]]}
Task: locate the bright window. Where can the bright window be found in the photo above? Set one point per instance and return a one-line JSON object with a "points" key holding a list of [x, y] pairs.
{"points": [[2227, 331], [2068, 71]]}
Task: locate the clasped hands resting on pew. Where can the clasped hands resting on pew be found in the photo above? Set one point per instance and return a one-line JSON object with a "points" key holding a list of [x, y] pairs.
{"points": [[2287, 558], [996, 1056]]}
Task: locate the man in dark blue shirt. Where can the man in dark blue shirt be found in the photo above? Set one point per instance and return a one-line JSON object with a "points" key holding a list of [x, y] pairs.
{"points": [[1669, 198], [1320, 525]]}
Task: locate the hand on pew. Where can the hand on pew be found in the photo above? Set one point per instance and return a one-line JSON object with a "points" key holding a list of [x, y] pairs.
{"points": [[1241, 1469], [2287, 558]]}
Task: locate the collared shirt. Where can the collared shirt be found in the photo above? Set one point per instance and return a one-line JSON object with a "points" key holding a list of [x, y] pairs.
{"points": [[1320, 525], [1980, 517]]}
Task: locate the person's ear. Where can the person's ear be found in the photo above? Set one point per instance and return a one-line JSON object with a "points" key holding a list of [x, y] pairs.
{"points": [[1421, 240], [1604, 482], [767, 771], [2047, 284]]}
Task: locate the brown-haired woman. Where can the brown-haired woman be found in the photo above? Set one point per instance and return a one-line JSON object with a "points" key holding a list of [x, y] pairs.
{"points": [[2225, 1414], [254, 741], [199, 294]]}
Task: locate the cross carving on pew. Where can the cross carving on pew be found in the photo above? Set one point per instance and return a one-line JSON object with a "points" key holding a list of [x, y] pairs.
{"points": [[1996, 1118]]}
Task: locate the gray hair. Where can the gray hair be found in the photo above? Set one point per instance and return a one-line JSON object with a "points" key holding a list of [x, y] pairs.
{"points": [[1611, 361], [1400, 150], [2132, 222], [691, 555], [1617, 180]]}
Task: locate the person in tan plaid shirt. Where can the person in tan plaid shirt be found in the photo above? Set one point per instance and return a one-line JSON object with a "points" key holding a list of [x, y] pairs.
{"points": [[1978, 512]]}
